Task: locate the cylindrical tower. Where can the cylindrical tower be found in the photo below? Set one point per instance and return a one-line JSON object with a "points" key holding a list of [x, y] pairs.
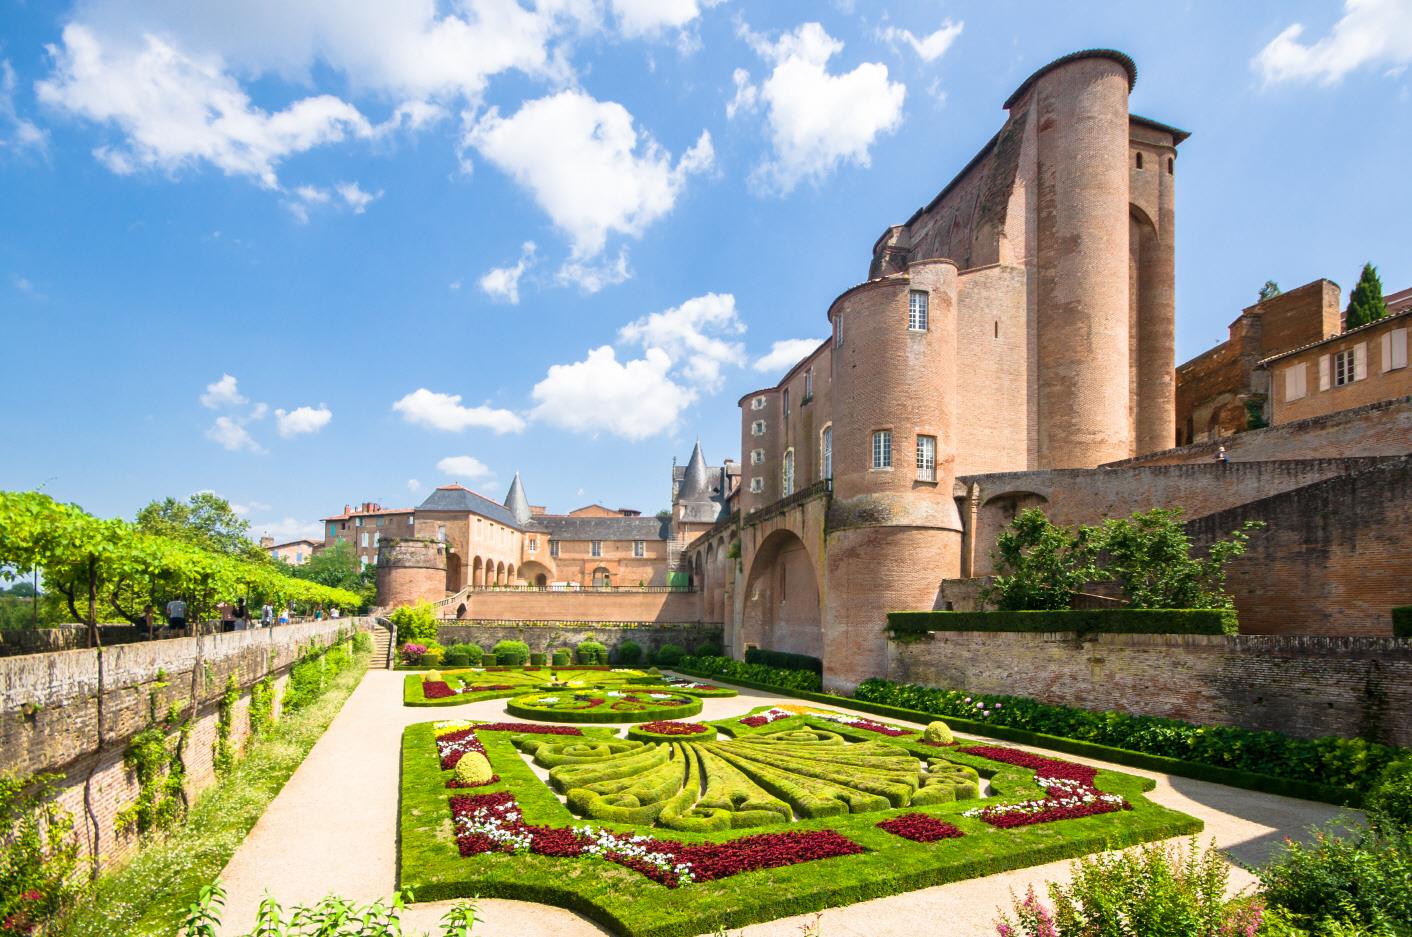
{"points": [[1156, 311], [1080, 109], [410, 571], [893, 529]]}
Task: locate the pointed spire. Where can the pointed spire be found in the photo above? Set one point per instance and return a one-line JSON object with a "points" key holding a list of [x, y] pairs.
{"points": [[693, 482], [516, 501]]}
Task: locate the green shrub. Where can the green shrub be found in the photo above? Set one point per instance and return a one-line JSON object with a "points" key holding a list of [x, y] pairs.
{"points": [[363, 642], [1402, 621], [669, 655], [38, 853], [939, 732], [1331, 761], [536, 658], [414, 623], [511, 653], [1389, 804], [474, 769], [707, 649], [560, 657], [592, 652], [455, 657], [1346, 880], [784, 660], [434, 655], [629, 652], [728, 669], [1080, 620]]}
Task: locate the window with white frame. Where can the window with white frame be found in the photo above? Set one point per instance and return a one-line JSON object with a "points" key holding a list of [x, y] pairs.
{"points": [[441, 533], [554, 549], [1295, 387], [757, 485], [808, 384], [788, 476], [1343, 367], [357, 522], [639, 548], [926, 458], [757, 456], [411, 519], [533, 545], [757, 428], [757, 403], [377, 537], [917, 311], [365, 538], [595, 548], [1394, 349], [882, 449], [826, 452]]}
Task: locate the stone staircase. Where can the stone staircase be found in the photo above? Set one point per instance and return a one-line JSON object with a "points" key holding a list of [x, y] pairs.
{"points": [[382, 648]]}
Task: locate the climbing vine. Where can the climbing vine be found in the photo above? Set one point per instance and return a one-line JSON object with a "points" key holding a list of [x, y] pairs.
{"points": [[224, 754], [38, 853], [160, 774], [262, 706]]}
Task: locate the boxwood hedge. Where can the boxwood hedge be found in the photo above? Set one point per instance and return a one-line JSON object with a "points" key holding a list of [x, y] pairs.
{"points": [[1081, 620]]}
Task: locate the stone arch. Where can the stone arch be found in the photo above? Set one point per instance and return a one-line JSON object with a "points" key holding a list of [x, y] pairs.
{"points": [[995, 514], [455, 571], [535, 573], [509, 574], [500, 573], [478, 573], [602, 579], [710, 582], [782, 604]]}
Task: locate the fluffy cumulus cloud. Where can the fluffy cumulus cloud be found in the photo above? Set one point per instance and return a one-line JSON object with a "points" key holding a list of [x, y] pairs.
{"points": [[502, 284], [286, 529], [929, 48], [695, 334], [464, 466], [16, 132], [302, 420], [586, 165], [413, 485], [445, 412], [785, 354], [651, 17], [590, 277], [817, 120], [1371, 32], [633, 399], [355, 198], [230, 433], [224, 392]]}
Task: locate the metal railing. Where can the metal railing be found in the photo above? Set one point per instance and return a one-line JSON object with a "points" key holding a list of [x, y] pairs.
{"points": [[819, 489], [579, 587]]}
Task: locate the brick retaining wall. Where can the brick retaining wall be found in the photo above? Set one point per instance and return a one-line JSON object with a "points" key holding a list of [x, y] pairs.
{"points": [[1302, 685], [547, 636], [552, 605]]}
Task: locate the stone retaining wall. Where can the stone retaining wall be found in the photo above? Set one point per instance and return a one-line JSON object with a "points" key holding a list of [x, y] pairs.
{"points": [[547, 636], [1301, 685]]}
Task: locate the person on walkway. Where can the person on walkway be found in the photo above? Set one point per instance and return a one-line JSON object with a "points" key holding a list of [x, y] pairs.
{"points": [[147, 620], [227, 615], [176, 614], [267, 616], [1221, 455], [284, 615], [242, 615], [335, 613]]}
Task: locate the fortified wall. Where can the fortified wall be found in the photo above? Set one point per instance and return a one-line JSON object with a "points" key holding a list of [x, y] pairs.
{"points": [[54, 719], [660, 605], [548, 636]]}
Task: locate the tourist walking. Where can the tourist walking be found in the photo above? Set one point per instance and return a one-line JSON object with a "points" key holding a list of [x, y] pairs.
{"points": [[267, 616], [176, 614], [1221, 455], [242, 615]]}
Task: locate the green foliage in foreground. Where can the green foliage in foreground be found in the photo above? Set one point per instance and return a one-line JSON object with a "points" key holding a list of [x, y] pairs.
{"points": [[148, 896], [630, 904], [38, 852], [730, 669], [414, 623], [332, 917]]}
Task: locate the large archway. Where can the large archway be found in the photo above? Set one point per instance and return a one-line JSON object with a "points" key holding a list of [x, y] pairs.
{"points": [[996, 514], [601, 578], [782, 608], [478, 573], [455, 571], [535, 573]]}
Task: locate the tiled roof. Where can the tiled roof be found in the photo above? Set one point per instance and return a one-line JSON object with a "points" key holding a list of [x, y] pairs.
{"points": [[350, 514], [458, 499], [1391, 317], [606, 528]]}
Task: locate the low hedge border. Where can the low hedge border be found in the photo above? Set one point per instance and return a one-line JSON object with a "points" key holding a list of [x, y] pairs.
{"points": [[639, 734], [1231, 777], [412, 694], [1080, 620], [516, 707], [784, 660], [1402, 621]]}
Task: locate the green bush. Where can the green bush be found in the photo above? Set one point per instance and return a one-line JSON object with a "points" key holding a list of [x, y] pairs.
{"points": [[536, 658], [455, 657], [560, 657], [939, 732], [470, 652], [1331, 761], [707, 649], [363, 642], [669, 655], [728, 669], [592, 652], [784, 660], [1080, 620], [1389, 804], [511, 653], [1346, 881], [629, 652], [415, 623], [434, 655], [38, 853], [1402, 621], [474, 769]]}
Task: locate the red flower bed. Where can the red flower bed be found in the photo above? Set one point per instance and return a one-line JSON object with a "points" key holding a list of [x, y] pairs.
{"points": [[1069, 791], [1008, 821], [528, 727], [920, 828], [437, 689], [765, 718], [877, 727], [493, 823], [1042, 767], [487, 687], [667, 727], [453, 745]]}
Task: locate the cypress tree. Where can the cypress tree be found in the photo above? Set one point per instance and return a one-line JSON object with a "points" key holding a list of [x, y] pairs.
{"points": [[1365, 303]]}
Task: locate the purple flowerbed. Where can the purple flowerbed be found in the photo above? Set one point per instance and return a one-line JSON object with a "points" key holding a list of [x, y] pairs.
{"points": [[920, 828]]}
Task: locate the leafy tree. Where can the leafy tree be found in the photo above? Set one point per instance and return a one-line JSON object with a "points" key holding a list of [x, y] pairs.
{"points": [[338, 568], [1365, 303], [1040, 564], [205, 520], [1149, 556], [20, 589], [1270, 290]]}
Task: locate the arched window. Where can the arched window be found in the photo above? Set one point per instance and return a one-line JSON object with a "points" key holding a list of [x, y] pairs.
{"points": [[1169, 165], [826, 452], [1139, 161], [788, 473]]}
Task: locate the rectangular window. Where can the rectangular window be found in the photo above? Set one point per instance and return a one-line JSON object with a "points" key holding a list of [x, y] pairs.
{"points": [[1294, 382], [786, 403], [1394, 349], [411, 519], [757, 485], [298, 557], [757, 403], [441, 534], [357, 522], [1344, 368], [332, 531], [554, 549], [808, 385], [377, 537], [826, 455], [882, 449], [365, 538], [917, 311], [639, 548], [838, 331], [757, 456], [926, 458], [757, 428], [788, 473], [533, 545], [595, 548], [381, 521]]}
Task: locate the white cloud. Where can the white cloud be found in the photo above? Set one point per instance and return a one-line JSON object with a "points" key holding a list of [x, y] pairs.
{"points": [[253, 506], [413, 485], [651, 17], [302, 420], [1370, 31], [222, 393], [16, 132], [288, 528], [232, 435], [586, 165], [592, 277], [503, 283], [747, 96], [444, 412], [817, 120], [928, 48], [785, 354], [632, 399], [692, 332], [463, 466], [354, 196]]}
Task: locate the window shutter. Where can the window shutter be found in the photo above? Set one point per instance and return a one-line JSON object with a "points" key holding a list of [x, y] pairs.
{"points": [[1387, 351], [1399, 348], [1323, 372], [1360, 361]]}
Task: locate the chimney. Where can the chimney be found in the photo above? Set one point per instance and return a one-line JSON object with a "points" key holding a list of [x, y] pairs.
{"points": [[267, 541]]}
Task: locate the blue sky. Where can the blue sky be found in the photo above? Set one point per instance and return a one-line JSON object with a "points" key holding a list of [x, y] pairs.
{"points": [[263, 252]]}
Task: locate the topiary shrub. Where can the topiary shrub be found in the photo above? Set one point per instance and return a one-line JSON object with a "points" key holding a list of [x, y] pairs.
{"points": [[561, 657], [938, 732], [1389, 804], [431, 676], [433, 656], [536, 658], [629, 652], [511, 653], [669, 655], [473, 770], [784, 660], [591, 652], [707, 649], [455, 657]]}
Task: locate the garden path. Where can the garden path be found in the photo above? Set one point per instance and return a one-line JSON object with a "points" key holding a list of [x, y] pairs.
{"points": [[333, 829]]}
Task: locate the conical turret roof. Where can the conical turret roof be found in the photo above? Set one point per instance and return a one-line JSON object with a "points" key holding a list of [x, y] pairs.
{"points": [[694, 486], [517, 503]]}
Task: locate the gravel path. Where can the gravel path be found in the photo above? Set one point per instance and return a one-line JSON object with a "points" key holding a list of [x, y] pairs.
{"points": [[333, 829]]}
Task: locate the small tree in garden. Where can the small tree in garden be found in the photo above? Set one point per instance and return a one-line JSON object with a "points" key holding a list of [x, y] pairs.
{"points": [[415, 623], [38, 853], [1270, 290], [1365, 303], [1149, 556], [1040, 564]]}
